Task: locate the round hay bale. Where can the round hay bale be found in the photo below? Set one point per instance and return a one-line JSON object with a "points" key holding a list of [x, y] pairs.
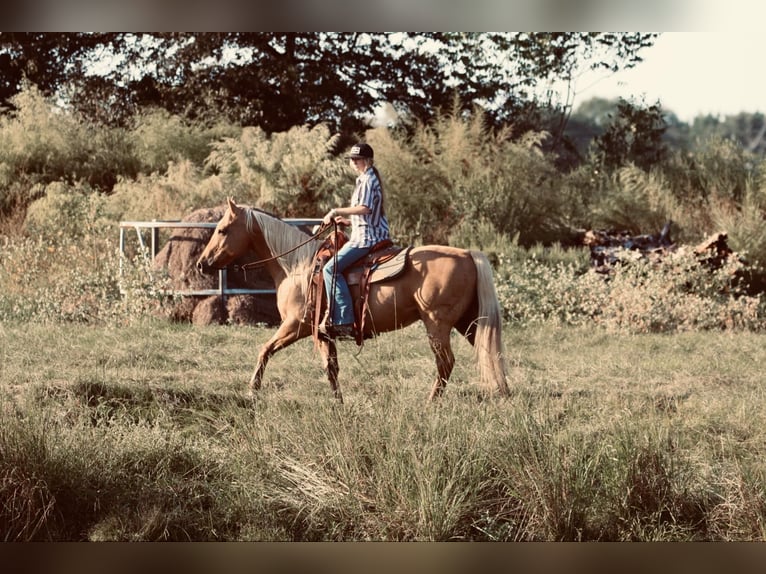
{"points": [[181, 311], [209, 311]]}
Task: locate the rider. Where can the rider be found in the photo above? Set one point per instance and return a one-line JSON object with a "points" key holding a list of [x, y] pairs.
{"points": [[367, 217]]}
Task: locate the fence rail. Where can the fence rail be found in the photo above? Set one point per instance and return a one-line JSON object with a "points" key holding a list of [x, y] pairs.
{"points": [[223, 289]]}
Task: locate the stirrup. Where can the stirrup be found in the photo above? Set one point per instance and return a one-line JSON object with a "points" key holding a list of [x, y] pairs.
{"points": [[342, 332]]}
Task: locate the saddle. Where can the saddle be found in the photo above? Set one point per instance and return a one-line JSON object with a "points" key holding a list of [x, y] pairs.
{"points": [[384, 262]]}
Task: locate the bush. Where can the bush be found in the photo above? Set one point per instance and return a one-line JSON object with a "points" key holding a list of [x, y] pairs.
{"points": [[744, 222], [61, 279], [37, 145], [458, 170], [161, 139], [41, 143], [417, 194], [640, 295], [292, 173], [65, 210], [638, 202], [172, 195], [720, 169]]}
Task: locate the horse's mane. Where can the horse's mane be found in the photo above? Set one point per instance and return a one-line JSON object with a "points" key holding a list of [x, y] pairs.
{"points": [[280, 238]]}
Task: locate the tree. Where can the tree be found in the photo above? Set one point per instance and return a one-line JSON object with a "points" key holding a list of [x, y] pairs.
{"points": [[635, 135], [47, 60], [279, 80]]}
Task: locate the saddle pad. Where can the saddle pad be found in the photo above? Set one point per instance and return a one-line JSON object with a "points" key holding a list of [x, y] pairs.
{"points": [[394, 260]]}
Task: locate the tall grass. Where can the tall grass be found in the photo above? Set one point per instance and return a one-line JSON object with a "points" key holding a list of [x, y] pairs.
{"points": [[108, 434]]}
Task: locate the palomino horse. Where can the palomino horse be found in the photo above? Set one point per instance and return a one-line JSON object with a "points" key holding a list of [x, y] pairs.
{"points": [[442, 286]]}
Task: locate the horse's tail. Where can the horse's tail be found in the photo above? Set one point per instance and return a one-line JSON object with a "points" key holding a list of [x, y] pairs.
{"points": [[488, 343]]}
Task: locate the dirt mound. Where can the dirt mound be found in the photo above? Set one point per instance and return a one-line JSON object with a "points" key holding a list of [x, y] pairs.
{"points": [[178, 257]]}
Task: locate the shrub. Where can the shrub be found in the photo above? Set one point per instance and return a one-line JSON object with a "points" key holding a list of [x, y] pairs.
{"points": [[161, 139], [291, 173], [720, 169], [417, 194], [640, 295], [66, 210], [634, 136], [38, 144], [65, 279], [637, 201], [532, 291], [744, 222], [169, 195], [518, 190], [41, 143], [457, 169]]}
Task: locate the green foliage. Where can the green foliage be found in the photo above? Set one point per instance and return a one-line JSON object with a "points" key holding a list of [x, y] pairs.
{"points": [[417, 193], [482, 236], [456, 171], [532, 291], [36, 145], [613, 434], [161, 139], [181, 189], [745, 129], [721, 171], [518, 190], [70, 211], [719, 188], [744, 224], [54, 278], [674, 294], [637, 201], [634, 136], [452, 181], [278, 80], [291, 173], [40, 144]]}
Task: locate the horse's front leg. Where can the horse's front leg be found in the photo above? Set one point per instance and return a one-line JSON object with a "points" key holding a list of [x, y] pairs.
{"points": [[330, 362], [289, 332]]}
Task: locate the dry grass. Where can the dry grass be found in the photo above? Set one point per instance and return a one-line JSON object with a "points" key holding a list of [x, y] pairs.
{"points": [[144, 433]]}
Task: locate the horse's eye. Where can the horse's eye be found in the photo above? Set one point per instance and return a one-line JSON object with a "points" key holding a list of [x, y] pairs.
{"points": [[222, 230]]}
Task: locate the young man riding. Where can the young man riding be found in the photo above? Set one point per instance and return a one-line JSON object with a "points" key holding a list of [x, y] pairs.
{"points": [[367, 217]]}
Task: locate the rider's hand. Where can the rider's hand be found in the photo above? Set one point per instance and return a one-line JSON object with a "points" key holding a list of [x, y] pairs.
{"points": [[329, 217]]}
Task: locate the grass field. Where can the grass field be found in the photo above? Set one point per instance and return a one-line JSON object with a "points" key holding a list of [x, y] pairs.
{"points": [[145, 433]]}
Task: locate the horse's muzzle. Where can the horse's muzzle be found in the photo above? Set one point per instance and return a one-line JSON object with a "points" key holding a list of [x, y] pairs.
{"points": [[203, 267]]}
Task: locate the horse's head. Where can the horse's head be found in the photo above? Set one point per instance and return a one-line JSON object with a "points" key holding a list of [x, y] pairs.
{"points": [[229, 241]]}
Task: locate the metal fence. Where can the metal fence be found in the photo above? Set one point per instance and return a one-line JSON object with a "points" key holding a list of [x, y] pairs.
{"points": [[154, 246]]}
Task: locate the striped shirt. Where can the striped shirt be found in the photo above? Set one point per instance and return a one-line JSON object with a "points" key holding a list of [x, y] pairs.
{"points": [[367, 230]]}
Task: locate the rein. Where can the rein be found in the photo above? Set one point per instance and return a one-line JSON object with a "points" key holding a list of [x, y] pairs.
{"points": [[311, 238]]}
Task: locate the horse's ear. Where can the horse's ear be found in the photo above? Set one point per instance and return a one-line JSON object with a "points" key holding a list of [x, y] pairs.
{"points": [[233, 206]]}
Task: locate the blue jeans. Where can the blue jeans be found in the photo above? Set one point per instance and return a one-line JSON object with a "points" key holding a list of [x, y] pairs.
{"points": [[339, 299]]}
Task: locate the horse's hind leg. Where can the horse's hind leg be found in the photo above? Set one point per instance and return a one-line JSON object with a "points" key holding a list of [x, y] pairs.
{"points": [[439, 340], [330, 361], [287, 334]]}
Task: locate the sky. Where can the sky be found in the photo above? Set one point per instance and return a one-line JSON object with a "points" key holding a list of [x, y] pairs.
{"points": [[691, 74]]}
